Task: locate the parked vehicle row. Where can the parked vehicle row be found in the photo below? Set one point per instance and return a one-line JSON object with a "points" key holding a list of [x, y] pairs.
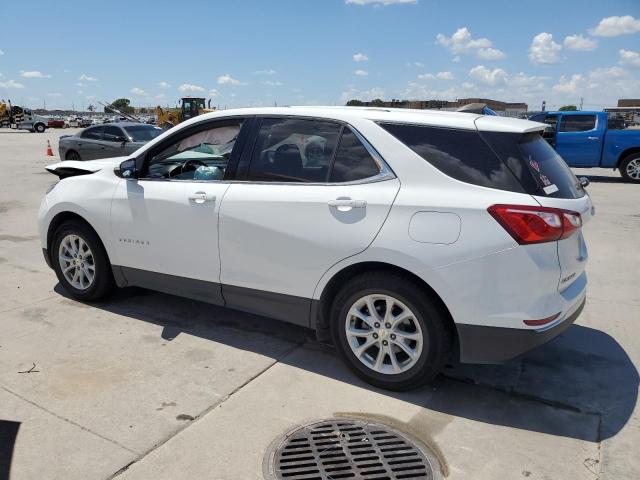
{"points": [[410, 239]]}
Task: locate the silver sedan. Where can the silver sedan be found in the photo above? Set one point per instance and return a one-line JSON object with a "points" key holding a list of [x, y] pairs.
{"points": [[105, 141]]}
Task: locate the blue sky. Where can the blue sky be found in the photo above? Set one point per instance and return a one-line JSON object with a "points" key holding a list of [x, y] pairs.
{"points": [[257, 52]]}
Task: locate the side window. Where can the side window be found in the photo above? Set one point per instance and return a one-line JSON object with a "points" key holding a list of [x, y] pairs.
{"points": [[353, 161], [203, 155], [577, 123], [114, 134], [461, 154], [293, 150], [93, 133]]}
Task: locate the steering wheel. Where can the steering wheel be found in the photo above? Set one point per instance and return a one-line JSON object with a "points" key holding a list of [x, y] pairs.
{"points": [[191, 165]]}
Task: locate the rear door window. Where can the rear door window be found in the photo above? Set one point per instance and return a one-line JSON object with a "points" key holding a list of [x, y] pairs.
{"points": [[353, 161], [577, 123], [461, 154], [294, 150], [94, 133], [113, 134]]}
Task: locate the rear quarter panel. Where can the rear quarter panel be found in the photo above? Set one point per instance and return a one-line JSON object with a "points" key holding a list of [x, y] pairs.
{"points": [[616, 142]]}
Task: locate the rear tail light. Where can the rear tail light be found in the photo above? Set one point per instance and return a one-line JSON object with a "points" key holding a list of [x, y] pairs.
{"points": [[527, 224]]}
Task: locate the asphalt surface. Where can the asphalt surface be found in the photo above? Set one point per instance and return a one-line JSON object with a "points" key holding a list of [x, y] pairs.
{"points": [[148, 385]]}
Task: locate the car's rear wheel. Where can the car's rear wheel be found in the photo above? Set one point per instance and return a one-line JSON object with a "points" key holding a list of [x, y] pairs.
{"points": [[40, 128], [80, 262], [390, 332], [630, 168], [72, 155]]}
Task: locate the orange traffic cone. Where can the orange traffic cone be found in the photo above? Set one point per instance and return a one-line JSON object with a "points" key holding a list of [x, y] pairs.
{"points": [[49, 149]]}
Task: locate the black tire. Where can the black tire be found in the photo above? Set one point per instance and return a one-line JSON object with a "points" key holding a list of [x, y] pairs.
{"points": [[72, 155], [624, 165], [39, 127], [103, 282], [434, 323]]}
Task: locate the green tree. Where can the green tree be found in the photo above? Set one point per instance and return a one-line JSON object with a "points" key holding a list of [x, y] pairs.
{"points": [[91, 108], [377, 103], [143, 110], [355, 103], [122, 104], [568, 108]]}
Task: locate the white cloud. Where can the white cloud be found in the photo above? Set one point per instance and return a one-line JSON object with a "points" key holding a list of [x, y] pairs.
{"points": [[79, 92], [490, 54], [227, 79], [426, 76], [1, 53], [486, 75], [55, 94], [544, 50], [365, 95], [268, 71], [615, 26], [189, 87], [213, 92], [163, 84], [445, 75], [160, 96], [415, 64], [138, 92], [79, 84], [33, 74], [629, 57], [456, 59], [526, 82], [462, 42], [91, 97], [360, 57], [11, 84], [84, 77], [379, 2], [578, 42], [361, 73], [569, 85], [273, 84]]}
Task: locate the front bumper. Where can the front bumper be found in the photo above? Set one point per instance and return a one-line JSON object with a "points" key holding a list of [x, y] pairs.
{"points": [[481, 344]]}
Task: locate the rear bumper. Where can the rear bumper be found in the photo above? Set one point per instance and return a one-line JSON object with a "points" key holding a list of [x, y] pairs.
{"points": [[481, 344]]}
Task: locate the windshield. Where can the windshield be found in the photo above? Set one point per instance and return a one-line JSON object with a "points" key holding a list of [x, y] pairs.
{"points": [[143, 133]]}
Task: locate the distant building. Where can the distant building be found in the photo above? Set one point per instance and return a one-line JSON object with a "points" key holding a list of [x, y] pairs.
{"points": [[629, 102], [505, 109]]}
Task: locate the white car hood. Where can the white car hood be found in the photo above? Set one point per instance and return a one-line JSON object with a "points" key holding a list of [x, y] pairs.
{"points": [[70, 168]]}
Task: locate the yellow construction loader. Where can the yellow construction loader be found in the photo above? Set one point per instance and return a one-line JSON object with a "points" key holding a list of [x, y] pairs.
{"points": [[189, 107]]}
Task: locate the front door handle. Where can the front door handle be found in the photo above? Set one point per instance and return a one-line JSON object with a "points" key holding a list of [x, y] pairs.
{"points": [[346, 204], [593, 138], [201, 197]]}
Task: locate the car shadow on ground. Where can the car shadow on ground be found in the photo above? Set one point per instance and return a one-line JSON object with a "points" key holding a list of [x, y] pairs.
{"points": [[580, 385], [8, 434], [603, 179]]}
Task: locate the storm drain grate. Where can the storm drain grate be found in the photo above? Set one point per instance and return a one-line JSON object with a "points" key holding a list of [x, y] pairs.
{"points": [[344, 448]]}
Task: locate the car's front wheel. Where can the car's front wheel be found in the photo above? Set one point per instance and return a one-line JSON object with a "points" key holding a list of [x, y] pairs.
{"points": [[40, 128], [80, 262], [390, 331], [72, 155]]}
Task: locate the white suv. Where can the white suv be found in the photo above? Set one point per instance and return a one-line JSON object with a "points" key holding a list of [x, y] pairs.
{"points": [[411, 238]]}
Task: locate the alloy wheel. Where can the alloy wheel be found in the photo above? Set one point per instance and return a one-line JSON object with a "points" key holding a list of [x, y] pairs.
{"points": [[633, 169], [76, 262], [384, 334]]}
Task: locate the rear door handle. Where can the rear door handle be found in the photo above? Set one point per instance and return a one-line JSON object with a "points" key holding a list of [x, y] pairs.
{"points": [[201, 197], [346, 204], [593, 138]]}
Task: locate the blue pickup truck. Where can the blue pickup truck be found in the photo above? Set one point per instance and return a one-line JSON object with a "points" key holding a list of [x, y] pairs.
{"points": [[592, 139]]}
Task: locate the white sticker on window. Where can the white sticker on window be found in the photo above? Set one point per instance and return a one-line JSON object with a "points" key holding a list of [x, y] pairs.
{"points": [[550, 189]]}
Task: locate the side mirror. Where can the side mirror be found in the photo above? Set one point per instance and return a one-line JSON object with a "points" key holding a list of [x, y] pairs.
{"points": [[584, 181], [126, 169]]}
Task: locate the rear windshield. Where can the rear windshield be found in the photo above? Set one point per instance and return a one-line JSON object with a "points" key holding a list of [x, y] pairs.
{"points": [[143, 133], [538, 167]]}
